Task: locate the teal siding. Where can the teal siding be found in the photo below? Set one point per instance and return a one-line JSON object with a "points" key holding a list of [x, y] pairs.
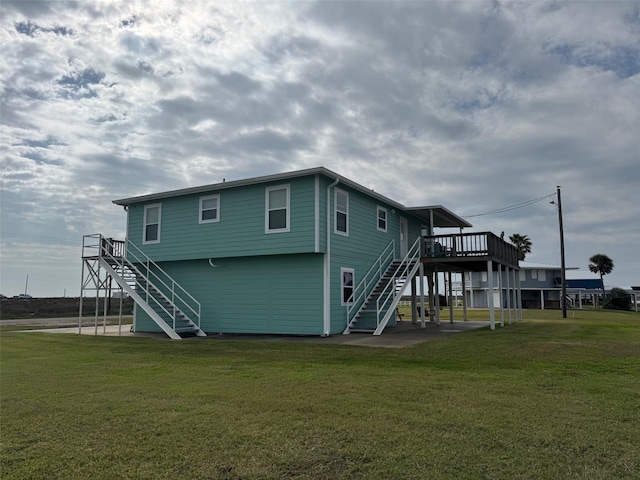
{"points": [[268, 294], [360, 249], [268, 282], [240, 231]]}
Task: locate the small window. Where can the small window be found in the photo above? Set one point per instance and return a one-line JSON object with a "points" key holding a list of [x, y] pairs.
{"points": [[484, 277], [341, 212], [382, 219], [347, 275], [522, 275], [152, 223], [277, 209], [210, 209], [534, 274], [542, 275]]}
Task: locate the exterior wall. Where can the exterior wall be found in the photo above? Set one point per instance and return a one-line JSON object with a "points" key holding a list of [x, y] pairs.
{"points": [[268, 282], [241, 229], [361, 248], [267, 294]]}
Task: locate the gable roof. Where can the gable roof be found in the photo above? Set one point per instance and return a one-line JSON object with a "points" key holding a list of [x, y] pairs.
{"points": [[442, 217]]}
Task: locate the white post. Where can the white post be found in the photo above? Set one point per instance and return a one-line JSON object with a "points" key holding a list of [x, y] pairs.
{"points": [[508, 296], [450, 298], [464, 297], [414, 297], [500, 297], [492, 315], [519, 295], [541, 299], [422, 324], [437, 295], [580, 299]]}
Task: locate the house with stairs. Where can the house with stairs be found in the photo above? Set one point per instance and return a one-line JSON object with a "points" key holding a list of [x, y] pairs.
{"points": [[308, 252]]}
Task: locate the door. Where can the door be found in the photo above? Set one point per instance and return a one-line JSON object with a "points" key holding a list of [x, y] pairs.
{"points": [[404, 237]]}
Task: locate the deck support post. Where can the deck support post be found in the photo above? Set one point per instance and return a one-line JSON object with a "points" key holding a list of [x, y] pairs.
{"points": [[519, 295], [509, 295], [464, 297], [422, 323], [431, 296], [450, 297], [437, 296], [500, 295], [414, 301], [492, 314]]}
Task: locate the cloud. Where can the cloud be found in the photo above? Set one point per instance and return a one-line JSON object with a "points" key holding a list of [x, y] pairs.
{"points": [[474, 105]]}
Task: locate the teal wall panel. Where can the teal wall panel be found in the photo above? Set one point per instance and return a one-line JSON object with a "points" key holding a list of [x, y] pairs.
{"points": [[267, 294], [241, 229]]}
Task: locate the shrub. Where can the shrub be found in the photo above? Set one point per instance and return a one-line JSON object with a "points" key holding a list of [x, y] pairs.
{"points": [[617, 299]]}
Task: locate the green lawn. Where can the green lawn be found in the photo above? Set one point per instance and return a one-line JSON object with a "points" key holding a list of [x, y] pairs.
{"points": [[544, 398]]}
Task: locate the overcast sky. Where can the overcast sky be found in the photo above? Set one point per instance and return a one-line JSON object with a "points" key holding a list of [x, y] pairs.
{"points": [[472, 105]]}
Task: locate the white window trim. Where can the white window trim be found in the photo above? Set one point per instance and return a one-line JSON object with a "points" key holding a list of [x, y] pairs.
{"points": [[266, 209], [200, 210], [386, 218], [144, 224], [335, 213], [342, 285]]}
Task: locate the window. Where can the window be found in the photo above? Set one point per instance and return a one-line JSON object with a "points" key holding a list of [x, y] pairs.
{"points": [[277, 209], [484, 277], [522, 275], [382, 219], [347, 285], [341, 224], [542, 275], [534, 274], [151, 232], [209, 209]]}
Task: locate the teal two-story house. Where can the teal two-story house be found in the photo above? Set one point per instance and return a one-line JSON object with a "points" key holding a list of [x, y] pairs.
{"points": [[293, 253]]}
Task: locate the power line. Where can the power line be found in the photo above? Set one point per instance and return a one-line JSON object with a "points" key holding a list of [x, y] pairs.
{"points": [[511, 207]]}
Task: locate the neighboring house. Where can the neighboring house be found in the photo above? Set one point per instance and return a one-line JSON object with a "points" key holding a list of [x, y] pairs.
{"points": [[540, 284], [307, 253]]}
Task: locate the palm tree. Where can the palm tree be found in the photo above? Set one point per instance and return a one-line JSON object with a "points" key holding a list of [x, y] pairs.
{"points": [[602, 264], [522, 243]]}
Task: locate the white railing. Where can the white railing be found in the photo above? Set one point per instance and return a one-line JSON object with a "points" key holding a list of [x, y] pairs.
{"points": [[362, 291], [126, 255], [390, 296]]}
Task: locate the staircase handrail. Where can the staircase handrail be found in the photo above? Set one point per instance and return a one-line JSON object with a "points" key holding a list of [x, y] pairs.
{"points": [[370, 279], [141, 258], [388, 294], [119, 252]]}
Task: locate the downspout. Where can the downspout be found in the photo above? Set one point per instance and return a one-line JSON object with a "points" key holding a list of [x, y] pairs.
{"points": [[327, 266]]}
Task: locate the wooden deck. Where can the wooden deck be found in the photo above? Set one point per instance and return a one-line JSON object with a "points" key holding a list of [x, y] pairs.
{"points": [[467, 252]]}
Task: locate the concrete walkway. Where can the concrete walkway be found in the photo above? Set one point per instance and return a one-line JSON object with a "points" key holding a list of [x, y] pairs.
{"points": [[404, 334]]}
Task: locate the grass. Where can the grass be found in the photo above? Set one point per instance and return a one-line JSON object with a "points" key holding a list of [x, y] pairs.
{"points": [[544, 398]]}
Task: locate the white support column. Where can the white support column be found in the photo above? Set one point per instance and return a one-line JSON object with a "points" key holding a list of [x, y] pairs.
{"points": [[500, 295], [508, 296], [464, 297], [580, 299], [519, 302], [450, 298], [422, 309], [414, 297], [437, 295], [431, 295], [492, 314], [541, 299]]}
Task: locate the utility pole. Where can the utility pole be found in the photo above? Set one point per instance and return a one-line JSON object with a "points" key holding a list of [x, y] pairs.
{"points": [[562, 264]]}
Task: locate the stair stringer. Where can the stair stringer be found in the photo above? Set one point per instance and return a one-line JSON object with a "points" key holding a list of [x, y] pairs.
{"points": [[396, 299]]}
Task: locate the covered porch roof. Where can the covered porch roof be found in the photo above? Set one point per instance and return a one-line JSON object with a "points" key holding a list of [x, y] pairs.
{"points": [[442, 217]]}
